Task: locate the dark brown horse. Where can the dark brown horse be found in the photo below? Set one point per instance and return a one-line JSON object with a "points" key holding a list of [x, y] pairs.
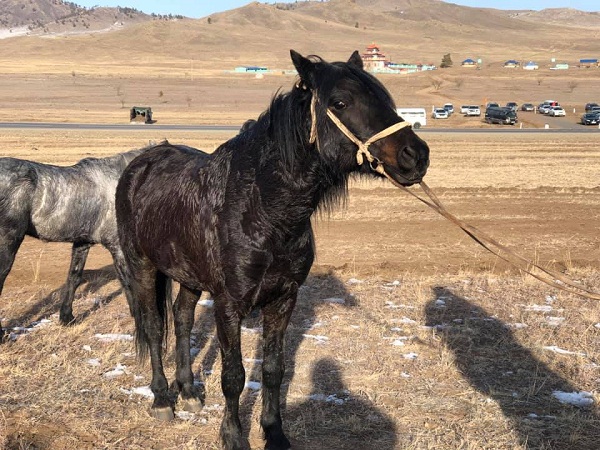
{"points": [[237, 223]]}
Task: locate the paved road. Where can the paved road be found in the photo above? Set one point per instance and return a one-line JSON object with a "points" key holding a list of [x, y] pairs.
{"points": [[130, 127]]}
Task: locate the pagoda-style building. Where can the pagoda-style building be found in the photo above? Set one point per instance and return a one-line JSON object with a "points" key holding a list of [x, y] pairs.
{"points": [[373, 59]]}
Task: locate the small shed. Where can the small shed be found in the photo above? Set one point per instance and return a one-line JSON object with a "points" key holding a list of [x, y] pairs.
{"points": [[531, 66], [469, 63], [511, 64], [588, 62]]}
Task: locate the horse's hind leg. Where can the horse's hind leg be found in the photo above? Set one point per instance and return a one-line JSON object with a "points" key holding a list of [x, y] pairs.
{"points": [[149, 290], [79, 254], [276, 316], [183, 313], [232, 375]]}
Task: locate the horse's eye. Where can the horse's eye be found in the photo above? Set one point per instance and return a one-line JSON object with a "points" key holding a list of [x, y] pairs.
{"points": [[339, 105]]}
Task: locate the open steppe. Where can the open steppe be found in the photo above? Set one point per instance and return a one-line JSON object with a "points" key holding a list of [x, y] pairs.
{"points": [[407, 335]]}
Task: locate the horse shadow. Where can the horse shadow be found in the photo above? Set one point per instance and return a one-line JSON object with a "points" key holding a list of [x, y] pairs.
{"points": [[304, 319], [93, 280], [359, 424], [491, 359], [317, 288]]}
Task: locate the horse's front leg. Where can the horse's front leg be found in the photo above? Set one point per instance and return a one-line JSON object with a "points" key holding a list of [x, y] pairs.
{"points": [[183, 311], [10, 241], [79, 254], [276, 317], [233, 376]]}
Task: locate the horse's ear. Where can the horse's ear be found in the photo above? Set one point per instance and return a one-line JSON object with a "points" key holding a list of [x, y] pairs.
{"points": [[303, 65], [356, 60]]}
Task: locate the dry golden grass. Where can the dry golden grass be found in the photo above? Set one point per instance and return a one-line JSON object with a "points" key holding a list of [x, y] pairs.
{"points": [[477, 376]]}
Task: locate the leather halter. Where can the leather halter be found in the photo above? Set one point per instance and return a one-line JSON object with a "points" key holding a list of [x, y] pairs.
{"points": [[363, 147]]}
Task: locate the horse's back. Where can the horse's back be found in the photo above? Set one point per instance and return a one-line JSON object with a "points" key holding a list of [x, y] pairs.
{"points": [[166, 205]]}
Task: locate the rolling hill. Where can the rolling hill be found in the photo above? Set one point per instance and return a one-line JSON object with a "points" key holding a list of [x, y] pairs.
{"points": [[406, 30]]}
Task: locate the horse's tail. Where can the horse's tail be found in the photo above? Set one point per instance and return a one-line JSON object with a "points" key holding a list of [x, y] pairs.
{"points": [[164, 307]]}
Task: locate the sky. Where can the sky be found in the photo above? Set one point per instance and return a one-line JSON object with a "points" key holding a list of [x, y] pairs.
{"points": [[203, 8]]}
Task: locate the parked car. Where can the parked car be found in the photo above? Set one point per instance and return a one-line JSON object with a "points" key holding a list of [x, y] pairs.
{"points": [[590, 106], [449, 107], [512, 105], [473, 111], [544, 108], [527, 107], [439, 113], [492, 105], [556, 111], [590, 118], [595, 109], [463, 109], [500, 115]]}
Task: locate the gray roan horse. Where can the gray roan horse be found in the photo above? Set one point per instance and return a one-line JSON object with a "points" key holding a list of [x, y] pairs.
{"points": [[237, 223], [60, 204]]}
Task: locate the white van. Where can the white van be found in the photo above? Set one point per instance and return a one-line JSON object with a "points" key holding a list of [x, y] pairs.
{"points": [[417, 117]]}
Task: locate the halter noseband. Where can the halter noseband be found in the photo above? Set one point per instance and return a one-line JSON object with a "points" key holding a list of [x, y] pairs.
{"points": [[363, 147]]}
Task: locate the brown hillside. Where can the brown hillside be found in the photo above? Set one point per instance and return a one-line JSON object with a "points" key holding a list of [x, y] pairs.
{"points": [[263, 34]]}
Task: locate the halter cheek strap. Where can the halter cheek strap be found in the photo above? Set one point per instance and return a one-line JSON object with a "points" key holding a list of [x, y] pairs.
{"points": [[363, 147]]}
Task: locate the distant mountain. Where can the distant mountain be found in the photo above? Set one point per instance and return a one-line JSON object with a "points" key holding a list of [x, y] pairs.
{"points": [[56, 16], [559, 16]]}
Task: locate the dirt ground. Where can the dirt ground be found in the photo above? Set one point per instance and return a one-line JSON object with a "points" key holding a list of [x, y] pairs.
{"points": [[390, 276]]}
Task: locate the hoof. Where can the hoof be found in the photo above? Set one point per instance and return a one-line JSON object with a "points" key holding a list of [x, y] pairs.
{"points": [[162, 414], [192, 405], [67, 320]]}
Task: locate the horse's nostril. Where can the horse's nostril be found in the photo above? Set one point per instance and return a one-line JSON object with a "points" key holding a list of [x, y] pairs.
{"points": [[408, 158]]}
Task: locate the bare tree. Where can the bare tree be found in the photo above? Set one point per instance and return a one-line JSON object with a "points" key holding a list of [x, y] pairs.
{"points": [[458, 82], [572, 85], [436, 83]]}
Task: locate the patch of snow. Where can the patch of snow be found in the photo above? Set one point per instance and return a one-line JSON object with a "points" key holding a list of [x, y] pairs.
{"points": [[555, 349], [116, 372], [579, 399], [439, 303], [333, 398], [208, 303], [354, 281], [554, 321], [144, 391], [257, 330], [337, 300], [319, 338], [87, 348], [113, 337], [550, 299], [392, 305], [94, 362], [405, 375], [398, 343], [540, 308], [253, 385], [410, 356], [185, 415], [404, 320], [597, 325], [517, 325], [253, 361]]}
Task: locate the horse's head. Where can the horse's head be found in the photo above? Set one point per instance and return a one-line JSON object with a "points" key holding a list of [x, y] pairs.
{"points": [[354, 121]]}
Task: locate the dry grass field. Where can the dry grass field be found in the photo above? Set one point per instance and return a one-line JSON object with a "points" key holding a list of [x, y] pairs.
{"points": [[407, 335]]}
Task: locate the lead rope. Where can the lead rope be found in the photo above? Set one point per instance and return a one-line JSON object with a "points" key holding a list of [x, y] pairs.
{"points": [[496, 248], [483, 239]]}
